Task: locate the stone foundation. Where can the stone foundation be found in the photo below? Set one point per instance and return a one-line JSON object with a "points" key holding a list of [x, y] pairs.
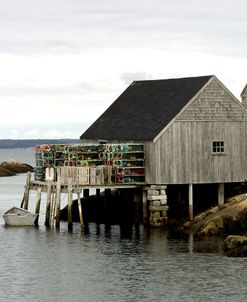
{"points": [[157, 205]]}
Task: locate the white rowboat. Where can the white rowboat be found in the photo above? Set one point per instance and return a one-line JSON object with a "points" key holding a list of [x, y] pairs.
{"points": [[19, 217]]}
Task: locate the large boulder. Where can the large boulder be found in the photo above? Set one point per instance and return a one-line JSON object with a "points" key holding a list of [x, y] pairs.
{"points": [[12, 167], [5, 172], [236, 246], [230, 218]]}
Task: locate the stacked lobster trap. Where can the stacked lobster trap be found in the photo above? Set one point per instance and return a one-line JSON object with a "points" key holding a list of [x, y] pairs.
{"points": [[96, 164]]}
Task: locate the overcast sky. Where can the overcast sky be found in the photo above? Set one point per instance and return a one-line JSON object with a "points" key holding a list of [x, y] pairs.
{"points": [[63, 62]]}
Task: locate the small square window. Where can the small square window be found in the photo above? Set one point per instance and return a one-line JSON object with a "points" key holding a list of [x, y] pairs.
{"points": [[218, 147]]}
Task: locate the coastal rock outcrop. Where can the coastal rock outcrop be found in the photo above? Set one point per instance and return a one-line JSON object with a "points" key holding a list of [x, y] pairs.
{"points": [[236, 246], [231, 218], [5, 172], [13, 167]]}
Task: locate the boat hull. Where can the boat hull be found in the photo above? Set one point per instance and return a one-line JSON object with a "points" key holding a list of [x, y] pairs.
{"points": [[19, 217]]}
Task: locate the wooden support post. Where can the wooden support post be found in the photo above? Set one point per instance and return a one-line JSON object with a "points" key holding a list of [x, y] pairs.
{"points": [[107, 199], [80, 209], [58, 201], [98, 193], [137, 201], [191, 216], [48, 204], [25, 200], [221, 194], [37, 207], [53, 203], [86, 193], [70, 202], [144, 207], [98, 208]]}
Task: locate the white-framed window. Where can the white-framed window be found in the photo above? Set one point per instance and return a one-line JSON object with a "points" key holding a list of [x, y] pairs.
{"points": [[218, 147]]}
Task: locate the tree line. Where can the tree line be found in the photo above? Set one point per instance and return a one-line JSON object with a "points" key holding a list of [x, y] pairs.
{"points": [[26, 143]]}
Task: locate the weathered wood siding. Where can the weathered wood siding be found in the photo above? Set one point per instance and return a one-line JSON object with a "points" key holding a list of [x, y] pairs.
{"points": [[183, 153], [214, 104]]}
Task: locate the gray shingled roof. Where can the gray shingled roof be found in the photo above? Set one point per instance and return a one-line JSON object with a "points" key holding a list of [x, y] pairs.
{"points": [[143, 110]]}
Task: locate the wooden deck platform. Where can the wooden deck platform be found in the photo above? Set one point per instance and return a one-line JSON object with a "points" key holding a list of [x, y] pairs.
{"points": [[35, 185], [54, 189]]}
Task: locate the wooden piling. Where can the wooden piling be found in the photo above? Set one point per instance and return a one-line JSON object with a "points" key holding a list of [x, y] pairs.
{"points": [[80, 209], [37, 207], [98, 207], [25, 200], [137, 201], [53, 204], [144, 207], [86, 193], [58, 201], [191, 216], [48, 203], [221, 194], [70, 202], [98, 193], [107, 199]]}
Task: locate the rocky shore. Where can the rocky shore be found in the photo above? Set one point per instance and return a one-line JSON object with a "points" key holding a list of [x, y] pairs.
{"points": [[229, 221], [13, 167]]}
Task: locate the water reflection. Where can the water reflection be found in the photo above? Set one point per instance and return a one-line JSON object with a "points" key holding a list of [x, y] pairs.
{"points": [[112, 264], [161, 239], [191, 242]]}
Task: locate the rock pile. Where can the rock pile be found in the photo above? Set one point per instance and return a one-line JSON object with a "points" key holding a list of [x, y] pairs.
{"points": [[230, 221], [12, 167], [231, 218], [157, 199], [236, 246]]}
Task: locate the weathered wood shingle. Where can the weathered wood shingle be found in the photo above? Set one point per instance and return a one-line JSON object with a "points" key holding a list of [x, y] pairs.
{"points": [[144, 109]]}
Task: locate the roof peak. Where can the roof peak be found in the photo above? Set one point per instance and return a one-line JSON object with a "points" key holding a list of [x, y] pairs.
{"points": [[174, 79]]}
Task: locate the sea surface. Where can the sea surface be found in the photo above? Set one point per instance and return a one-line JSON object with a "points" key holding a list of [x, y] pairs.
{"points": [[40, 264]]}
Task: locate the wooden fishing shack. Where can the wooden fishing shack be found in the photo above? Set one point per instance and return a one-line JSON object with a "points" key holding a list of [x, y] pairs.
{"points": [[177, 139], [194, 131]]}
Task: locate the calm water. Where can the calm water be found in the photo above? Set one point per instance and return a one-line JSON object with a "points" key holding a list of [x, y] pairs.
{"points": [[45, 265]]}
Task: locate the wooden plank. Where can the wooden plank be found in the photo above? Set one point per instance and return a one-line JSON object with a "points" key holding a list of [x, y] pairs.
{"points": [[37, 207], [80, 209], [58, 201], [48, 204], [83, 175], [25, 201], [53, 204], [70, 202]]}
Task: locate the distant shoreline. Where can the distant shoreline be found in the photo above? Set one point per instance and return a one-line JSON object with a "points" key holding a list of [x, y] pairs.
{"points": [[27, 143]]}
